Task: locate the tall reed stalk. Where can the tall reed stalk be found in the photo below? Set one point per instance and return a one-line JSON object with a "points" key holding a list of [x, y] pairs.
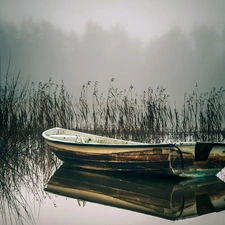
{"points": [[24, 161], [27, 110]]}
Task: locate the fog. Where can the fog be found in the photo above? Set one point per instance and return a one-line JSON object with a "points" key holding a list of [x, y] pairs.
{"points": [[143, 43]]}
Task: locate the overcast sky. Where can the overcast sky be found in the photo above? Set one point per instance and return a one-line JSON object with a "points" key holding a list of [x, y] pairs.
{"points": [[143, 18], [146, 19]]}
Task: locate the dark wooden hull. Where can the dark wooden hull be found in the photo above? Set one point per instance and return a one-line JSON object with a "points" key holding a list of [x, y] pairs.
{"points": [[102, 153], [146, 160], [161, 159], [158, 196]]}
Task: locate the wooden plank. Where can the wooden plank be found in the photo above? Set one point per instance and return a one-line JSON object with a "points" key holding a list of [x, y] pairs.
{"points": [[115, 165]]}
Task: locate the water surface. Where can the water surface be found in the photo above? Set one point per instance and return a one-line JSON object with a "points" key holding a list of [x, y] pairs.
{"points": [[48, 193]]}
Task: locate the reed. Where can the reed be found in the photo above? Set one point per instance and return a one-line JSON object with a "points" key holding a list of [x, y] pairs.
{"points": [[27, 110], [24, 161]]}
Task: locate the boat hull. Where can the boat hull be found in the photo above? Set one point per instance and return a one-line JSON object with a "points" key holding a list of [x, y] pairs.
{"points": [[117, 161], [184, 160]]}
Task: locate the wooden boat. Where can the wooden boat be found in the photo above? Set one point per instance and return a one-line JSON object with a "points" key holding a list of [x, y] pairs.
{"points": [[163, 197], [94, 152]]}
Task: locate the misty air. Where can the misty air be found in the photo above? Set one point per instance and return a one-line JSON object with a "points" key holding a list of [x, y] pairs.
{"points": [[112, 111]]}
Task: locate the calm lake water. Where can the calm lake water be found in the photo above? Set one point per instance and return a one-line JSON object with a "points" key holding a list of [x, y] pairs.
{"points": [[36, 188], [67, 211], [165, 197], [116, 199]]}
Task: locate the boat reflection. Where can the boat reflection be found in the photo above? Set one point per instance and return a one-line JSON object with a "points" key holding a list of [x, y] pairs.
{"points": [[163, 197]]}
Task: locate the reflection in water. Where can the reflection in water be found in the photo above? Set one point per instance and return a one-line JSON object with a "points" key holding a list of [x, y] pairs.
{"points": [[162, 197], [221, 174], [24, 166]]}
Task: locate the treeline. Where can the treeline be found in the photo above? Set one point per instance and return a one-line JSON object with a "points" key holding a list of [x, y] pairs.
{"points": [[44, 50]]}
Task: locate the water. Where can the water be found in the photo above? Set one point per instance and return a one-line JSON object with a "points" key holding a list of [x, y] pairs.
{"points": [[175, 193], [144, 194], [68, 212], [42, 191]]}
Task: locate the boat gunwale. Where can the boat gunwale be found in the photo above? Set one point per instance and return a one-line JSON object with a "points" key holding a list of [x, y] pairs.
{"points": [[142, 145], [127, 144], [130, 144]]}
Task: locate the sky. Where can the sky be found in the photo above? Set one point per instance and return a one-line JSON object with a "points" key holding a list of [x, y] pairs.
{"points": [[142, 18], [147, 20]]}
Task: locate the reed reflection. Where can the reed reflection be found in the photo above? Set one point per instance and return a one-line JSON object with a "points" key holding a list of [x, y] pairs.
{"points": [[25, 163], [25, 166], [163, 197]]}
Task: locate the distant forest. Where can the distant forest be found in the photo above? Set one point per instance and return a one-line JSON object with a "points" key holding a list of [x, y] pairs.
{"points": [[44, 50]]}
